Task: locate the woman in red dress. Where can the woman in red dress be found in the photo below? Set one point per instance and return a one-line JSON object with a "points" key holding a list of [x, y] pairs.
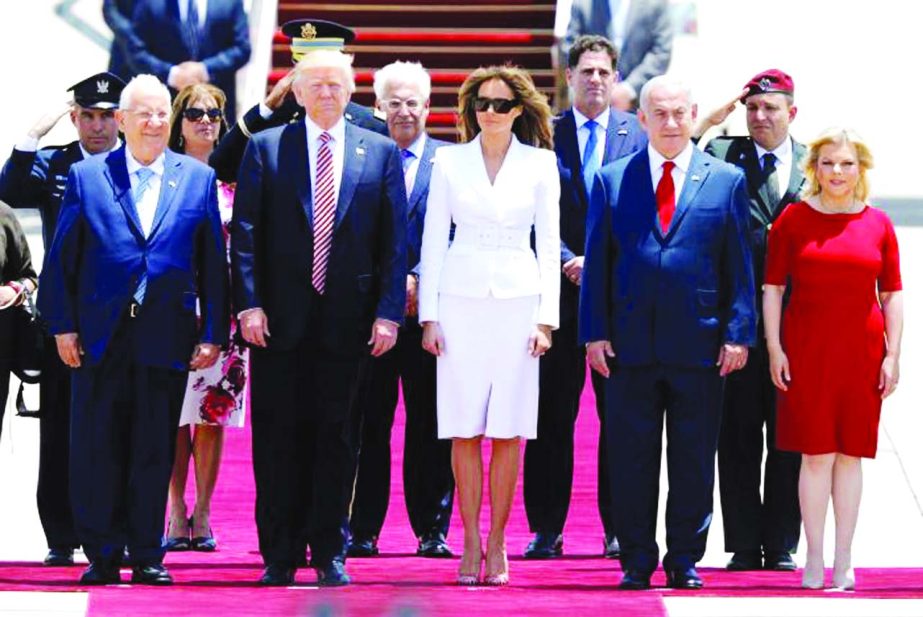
{"points": [[837, 356]]}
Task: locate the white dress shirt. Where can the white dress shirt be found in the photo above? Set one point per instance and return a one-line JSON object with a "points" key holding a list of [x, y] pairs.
{"points": [[783, 156], [337, 147], [147, 207], [682, 160], [583, 133], [410, 174]]}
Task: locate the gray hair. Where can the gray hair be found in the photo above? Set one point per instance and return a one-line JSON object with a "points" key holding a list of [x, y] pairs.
{"points": [[328, 58], [144, 83], [403, 73], [662, 81]]}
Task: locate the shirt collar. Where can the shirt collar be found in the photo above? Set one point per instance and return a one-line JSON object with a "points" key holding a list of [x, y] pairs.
{"points": [[782, 153], [682, 160], [337, 131], [417, 146], [86, 153], [602, 119], [133, 164]]}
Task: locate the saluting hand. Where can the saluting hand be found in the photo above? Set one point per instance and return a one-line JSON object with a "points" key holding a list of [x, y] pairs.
{"points": [[280, 91], [47, 122]]}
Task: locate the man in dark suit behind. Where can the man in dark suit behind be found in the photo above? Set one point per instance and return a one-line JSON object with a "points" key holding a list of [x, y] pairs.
{"points": [[185, 42], [318, 259], [138, 244], [117, 14], [760, 532], [35, 177], [585, 138], [402, 90], [667, 311]]}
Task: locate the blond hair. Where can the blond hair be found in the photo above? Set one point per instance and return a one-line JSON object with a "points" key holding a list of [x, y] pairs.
{"points": [[836, 136], [328, 58]]}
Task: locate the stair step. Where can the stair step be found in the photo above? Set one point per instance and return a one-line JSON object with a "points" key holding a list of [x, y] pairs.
{"points": [[440, 57], [429, 36], [360, 16]]}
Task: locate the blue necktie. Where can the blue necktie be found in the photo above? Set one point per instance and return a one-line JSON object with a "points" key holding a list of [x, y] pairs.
{"points": [[191, 29], [407, 158], [590, 160], [137, 194]]}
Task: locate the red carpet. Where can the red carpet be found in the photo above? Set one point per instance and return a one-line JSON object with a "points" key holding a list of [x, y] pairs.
{"points": [[399, 583]]}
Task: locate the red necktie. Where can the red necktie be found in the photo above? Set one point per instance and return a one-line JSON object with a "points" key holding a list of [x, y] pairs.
{"points": [[666, 196], [324, 212]]}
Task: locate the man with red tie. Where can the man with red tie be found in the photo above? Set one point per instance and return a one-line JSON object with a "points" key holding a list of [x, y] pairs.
{"points": [[319, 265], [667, 312]]}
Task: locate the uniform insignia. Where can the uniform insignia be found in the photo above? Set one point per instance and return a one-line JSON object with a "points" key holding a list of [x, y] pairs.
{"points": [[308, 31], [765, 84], [102, 86], [360, 151]]}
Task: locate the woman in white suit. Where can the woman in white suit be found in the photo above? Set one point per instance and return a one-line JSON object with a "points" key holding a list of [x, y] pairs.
{"points": [[489, 302]]}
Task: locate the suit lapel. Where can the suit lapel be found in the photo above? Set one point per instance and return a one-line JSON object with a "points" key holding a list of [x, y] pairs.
{"points": [[117, 174], [421, 180], [748, 161], [353, 162], [796, 179], [616, 135], [695, 178], [293, 165], [168, 188], [570, 148]]}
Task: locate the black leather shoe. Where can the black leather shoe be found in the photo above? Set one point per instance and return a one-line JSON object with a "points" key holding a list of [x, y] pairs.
{"points": [[545, 546], [59, 557], [744, 561], [333, 575], [780, 561], [360, 546], [684, 578], [611, 548], [99, 574], [150, 575], [276, 575], [634, 580], [434, 545]]}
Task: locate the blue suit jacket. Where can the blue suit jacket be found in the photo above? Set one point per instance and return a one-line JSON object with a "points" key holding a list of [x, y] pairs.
{"points": [[416, 202], [676, 298], [117, 14], [224, 45], [99, 253], [272, 238]]}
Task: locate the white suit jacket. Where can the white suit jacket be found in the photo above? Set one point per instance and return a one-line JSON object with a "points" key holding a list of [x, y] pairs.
{"points": [[491, 252]]}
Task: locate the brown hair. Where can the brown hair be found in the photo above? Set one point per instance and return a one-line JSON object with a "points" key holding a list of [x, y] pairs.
{"points": [[532, 127], [186, 97], [591, 42], [837, 136]]}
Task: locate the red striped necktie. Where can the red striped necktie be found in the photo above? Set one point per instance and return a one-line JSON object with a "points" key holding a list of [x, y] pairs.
{"points": [[324, 212], [666, 197]]}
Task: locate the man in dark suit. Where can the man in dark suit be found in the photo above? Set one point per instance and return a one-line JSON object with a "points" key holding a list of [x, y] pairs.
{"points": [[593, 133], [667, 311], [35, 178], [319, 260], [760, 532], [117, 14], [402, 90], [186, 42], [138, 244], [280, 106]]}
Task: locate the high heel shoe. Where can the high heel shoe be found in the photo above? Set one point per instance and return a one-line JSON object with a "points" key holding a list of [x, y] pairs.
{"points": [[501, 577], [813, 576], [177, 535], [844, 579], [204, 543], [468, 579]]}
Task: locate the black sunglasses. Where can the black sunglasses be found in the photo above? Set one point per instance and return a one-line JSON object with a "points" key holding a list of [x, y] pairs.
{"points": [[501, 106], [194, 114]]}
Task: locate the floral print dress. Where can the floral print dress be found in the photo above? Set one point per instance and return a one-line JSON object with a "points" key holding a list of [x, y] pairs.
{"points": [[220, 394]]}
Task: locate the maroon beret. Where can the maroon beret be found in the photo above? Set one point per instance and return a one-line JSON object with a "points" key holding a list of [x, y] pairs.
{"points": [[772, 80]]}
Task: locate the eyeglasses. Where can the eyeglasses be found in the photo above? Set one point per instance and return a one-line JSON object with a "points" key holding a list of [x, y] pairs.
{"points": [[194, 114], [413, 104], [500, 106], [146, 115]]}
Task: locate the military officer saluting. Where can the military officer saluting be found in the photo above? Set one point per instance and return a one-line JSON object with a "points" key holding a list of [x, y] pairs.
{"points": [[35, 178]]}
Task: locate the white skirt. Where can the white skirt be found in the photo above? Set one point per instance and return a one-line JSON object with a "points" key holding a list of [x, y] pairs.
{"points": [[486, 381]]}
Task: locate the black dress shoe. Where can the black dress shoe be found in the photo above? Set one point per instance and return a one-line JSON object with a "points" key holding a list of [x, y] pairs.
{"points": [[332, 575], [633, 580], [545, 546], [276, 575], [684, 578], [744, 561], [780, 561], [362, 546], [434, 545], [59, 557], [152, 574], [99, 574], [611, 548]]}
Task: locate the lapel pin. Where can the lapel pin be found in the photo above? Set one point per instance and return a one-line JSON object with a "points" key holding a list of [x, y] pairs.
{"points": [[172, 184], [360, 151], [695, 178], [622, 132]]}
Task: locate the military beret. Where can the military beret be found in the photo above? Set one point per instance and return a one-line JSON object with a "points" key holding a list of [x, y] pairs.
{"points": [[772, 80]]}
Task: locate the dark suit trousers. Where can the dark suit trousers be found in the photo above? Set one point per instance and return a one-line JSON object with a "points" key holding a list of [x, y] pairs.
{"points": [[428, 481], [639, 399], [123, 436], [303, 459], [751, 523], [54, 504], [548, 470]]}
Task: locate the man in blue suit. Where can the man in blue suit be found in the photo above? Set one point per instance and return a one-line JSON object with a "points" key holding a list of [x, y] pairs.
{"points": [[402, 90], [138, 245], [117, 14], [667, 311], [319, 260], [185, 42], [585, 137]]}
